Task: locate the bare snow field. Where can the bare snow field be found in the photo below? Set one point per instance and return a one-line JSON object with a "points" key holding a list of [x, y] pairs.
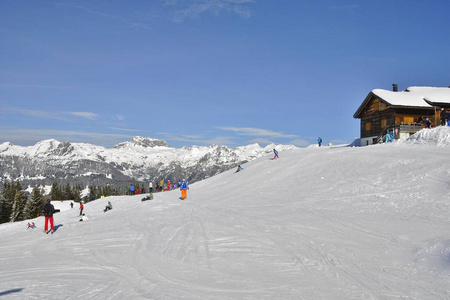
{"points": [[318, 223]]}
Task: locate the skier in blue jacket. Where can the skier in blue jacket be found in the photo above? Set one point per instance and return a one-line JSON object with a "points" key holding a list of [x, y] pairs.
{"points": [[184, 187], [132, 190], [276, 154]]}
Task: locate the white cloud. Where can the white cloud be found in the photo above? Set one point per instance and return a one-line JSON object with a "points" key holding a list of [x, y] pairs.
{"points": [[345, 7], [56, 115], [300, 143], [260, 141], [257, 132], [125, 129], [191, 139], [198, 7], [27, 136], [84, 114], [126, 21], [34, 113]]}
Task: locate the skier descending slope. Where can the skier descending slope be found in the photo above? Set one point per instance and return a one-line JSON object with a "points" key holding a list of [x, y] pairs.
{"points": [[49, 209], [184, 187], [276, 154]]}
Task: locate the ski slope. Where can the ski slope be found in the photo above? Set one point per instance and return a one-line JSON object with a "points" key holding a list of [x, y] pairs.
{"points": [[318, 223]]}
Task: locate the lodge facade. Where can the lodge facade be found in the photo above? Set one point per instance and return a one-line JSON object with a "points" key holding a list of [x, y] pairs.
{"points": [[400, 113]]}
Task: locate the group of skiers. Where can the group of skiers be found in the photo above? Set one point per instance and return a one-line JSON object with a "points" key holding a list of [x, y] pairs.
{"points": [[183, 185], [161, 186]]}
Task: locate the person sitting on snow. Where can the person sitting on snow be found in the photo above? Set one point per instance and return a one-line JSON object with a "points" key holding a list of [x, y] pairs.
{"points": [[149, 197], [239, 169], [83, 218], [108, 207]]}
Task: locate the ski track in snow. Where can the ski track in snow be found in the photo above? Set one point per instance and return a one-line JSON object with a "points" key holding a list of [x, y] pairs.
{"points": [[327, 223]]}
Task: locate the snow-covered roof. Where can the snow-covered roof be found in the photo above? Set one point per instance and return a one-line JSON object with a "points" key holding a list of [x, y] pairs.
{"points": [[410, 97], [413, 96]]}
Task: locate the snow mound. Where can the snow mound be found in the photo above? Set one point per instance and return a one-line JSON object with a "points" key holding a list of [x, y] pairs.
{"points": [[439, 136]]}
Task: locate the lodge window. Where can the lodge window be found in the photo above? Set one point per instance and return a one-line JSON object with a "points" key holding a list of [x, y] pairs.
{"points": [[368, 126], [408, 120], [383, 123]]}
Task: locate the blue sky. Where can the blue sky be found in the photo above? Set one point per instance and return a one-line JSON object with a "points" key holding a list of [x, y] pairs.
{"points": [[201, 72]]}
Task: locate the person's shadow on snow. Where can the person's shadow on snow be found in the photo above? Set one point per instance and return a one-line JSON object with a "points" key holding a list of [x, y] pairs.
{"points": [[8, 292], [57, 226]]}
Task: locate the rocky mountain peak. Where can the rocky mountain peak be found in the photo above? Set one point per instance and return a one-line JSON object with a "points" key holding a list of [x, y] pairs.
{"points": [[145, 142]]}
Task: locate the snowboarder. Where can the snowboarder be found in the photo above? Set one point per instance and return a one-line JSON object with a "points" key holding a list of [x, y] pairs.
{"points": [[81, 208], [428, 122], [149, 197], [71, 204], [132, 190], [239, 169], [83, 218], [276, 154], [150, 187], [319, 141], [108, 207], [184, 187], [49, 209]]}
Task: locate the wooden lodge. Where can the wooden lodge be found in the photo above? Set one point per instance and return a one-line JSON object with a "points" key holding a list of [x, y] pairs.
{"points": [[401, 113]]}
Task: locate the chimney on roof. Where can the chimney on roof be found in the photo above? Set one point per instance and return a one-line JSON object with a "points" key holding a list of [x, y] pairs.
{"points": [[395, 87]]}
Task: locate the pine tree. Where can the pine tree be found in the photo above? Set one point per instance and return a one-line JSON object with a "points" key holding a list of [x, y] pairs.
{"points": [[56, 193], [76, 193], [18, 208], [67, 195], [93, 192], [9, 191], [4, 216], [35, 204]]}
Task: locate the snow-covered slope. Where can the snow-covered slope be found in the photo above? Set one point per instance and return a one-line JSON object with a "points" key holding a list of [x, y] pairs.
{"points": [[318, 223]]}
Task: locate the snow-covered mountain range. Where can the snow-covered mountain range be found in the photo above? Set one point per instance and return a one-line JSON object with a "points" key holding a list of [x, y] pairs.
{"points": [[141, 159]]}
